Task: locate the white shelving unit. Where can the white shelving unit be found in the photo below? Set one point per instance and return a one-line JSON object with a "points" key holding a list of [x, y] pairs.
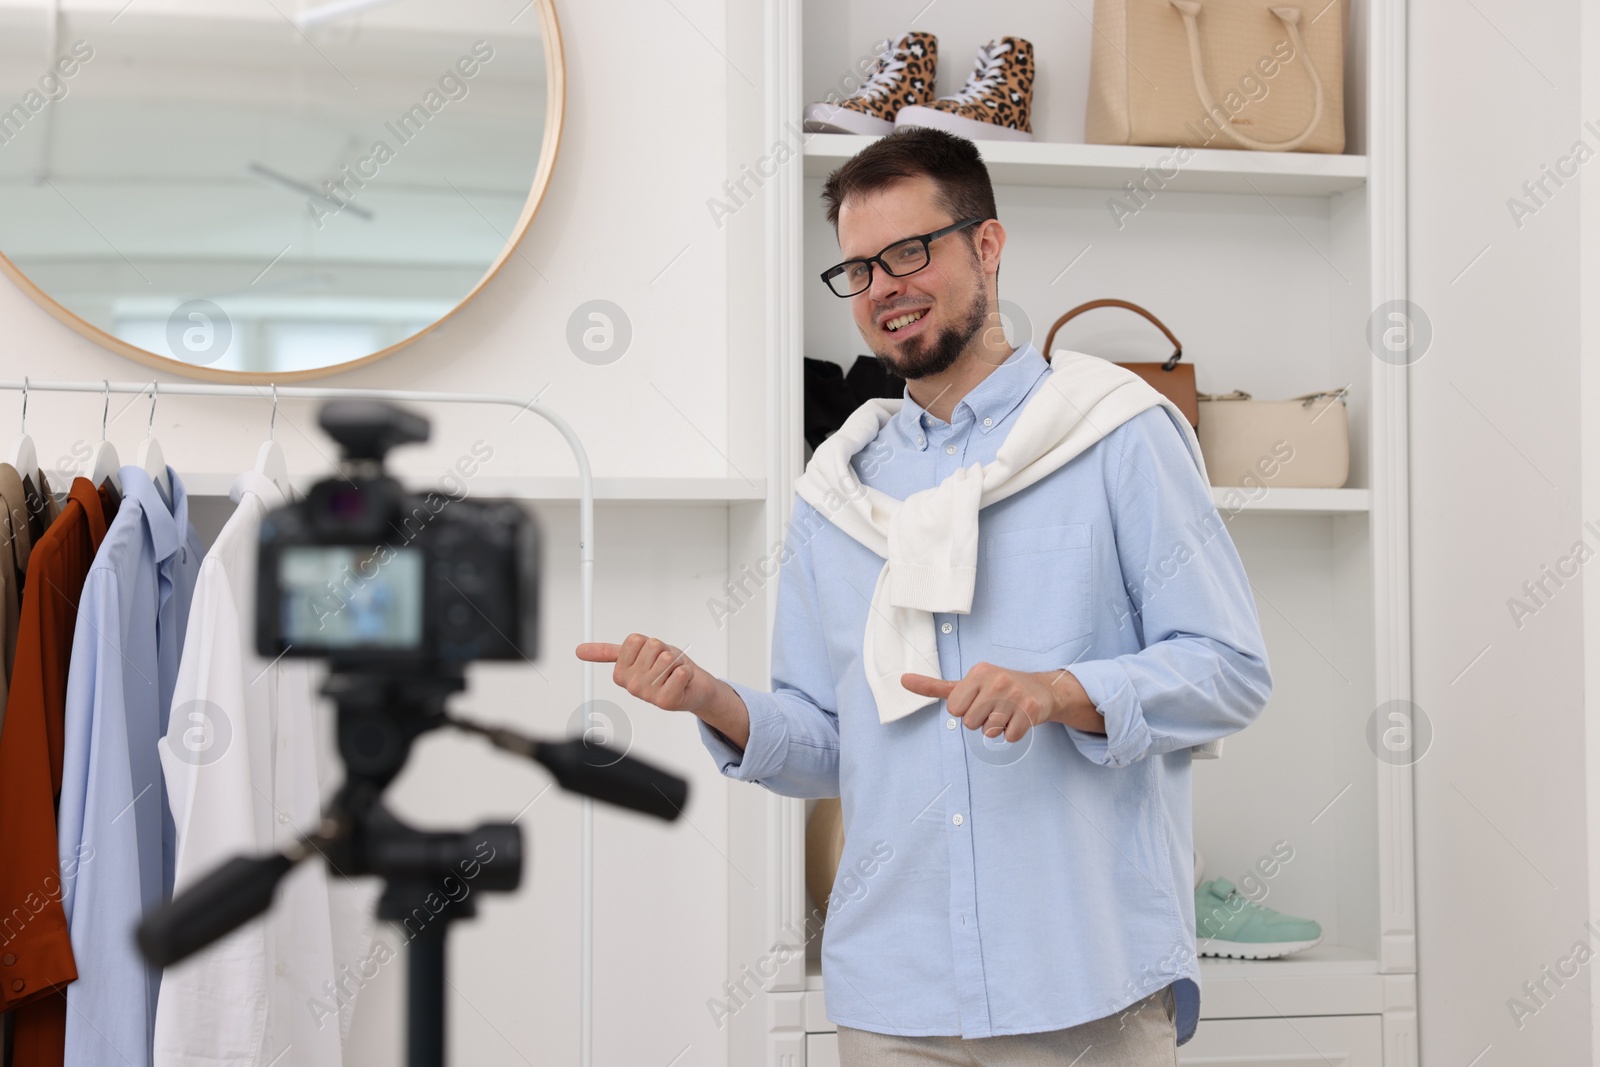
{"points": [[1268, 266], [1099, 166], [1292, 501]]}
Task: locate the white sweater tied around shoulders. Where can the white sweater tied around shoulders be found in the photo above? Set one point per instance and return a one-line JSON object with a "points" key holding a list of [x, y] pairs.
{"points": [[929, 540]]}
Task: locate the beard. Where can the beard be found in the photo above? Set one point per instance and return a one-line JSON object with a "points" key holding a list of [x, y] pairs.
{"points": [[924, 356]]}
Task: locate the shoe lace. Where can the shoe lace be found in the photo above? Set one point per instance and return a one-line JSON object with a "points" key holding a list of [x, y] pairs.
{"points": [[887, 75], [984, 73]]}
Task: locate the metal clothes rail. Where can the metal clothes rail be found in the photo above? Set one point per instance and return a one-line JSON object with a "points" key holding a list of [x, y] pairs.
{"points": [[585, 556]]}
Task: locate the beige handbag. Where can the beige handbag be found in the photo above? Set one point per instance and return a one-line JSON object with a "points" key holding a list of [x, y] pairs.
{"points": [[1218, 74], [1301, 443]]}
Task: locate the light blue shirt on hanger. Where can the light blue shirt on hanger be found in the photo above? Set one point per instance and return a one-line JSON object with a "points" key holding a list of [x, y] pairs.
{"points": [[114, 825], [989, 888]]}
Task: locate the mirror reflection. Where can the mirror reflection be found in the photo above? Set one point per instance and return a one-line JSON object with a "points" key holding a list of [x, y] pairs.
{"points": [[266, 186]]}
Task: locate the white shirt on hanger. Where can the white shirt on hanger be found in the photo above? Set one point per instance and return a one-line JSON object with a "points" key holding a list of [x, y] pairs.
{"points": [[248, 758]]}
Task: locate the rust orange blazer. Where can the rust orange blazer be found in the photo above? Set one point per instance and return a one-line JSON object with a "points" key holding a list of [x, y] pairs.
{"points": [[35, 953]]}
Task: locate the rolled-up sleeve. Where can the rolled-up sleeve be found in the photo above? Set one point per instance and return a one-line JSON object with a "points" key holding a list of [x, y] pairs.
{"points": [[1202, 670], [794, 729]]}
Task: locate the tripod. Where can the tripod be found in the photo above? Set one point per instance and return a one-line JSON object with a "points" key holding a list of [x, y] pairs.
{"points": [[380, 715]]}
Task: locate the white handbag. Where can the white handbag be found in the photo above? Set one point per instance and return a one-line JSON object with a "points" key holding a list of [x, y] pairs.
{"points": [[1260, 74], [1302, 443]]}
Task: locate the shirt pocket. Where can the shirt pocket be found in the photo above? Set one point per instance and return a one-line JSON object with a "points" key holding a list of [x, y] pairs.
{"points": [[1042, 586]]}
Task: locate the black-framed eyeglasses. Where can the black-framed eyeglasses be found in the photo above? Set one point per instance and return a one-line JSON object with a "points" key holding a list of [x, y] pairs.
{"points": [[898, 260]]}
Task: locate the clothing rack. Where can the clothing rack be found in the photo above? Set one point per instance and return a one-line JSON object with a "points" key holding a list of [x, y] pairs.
{"points": [[274, 393]]}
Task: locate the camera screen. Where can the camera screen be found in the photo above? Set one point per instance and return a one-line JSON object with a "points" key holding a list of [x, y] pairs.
{"points": [[349, 597]]}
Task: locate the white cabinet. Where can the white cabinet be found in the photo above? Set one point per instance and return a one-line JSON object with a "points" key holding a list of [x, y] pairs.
{"points": [[822, 1050], [1269, 268]]}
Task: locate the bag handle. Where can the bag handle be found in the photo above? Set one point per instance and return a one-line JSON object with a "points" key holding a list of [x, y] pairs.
{"points": [[1177, 346], [1290, 17]]}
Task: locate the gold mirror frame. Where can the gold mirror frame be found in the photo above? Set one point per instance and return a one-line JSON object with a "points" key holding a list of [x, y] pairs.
{"points": [[555, 110]]}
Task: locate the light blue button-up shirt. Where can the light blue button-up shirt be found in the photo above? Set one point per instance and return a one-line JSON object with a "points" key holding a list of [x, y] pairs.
{"points": [[1038, 885], [125, 651]]}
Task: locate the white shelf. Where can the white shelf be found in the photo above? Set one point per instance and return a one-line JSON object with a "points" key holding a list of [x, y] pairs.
{"points": [[728, 490], [1325, 980], [1291, 501], [550, 489], [1100, 166]]}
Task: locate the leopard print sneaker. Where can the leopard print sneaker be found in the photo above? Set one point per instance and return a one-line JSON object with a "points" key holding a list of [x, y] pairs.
{"points": [[995, 103], [902, 78]]}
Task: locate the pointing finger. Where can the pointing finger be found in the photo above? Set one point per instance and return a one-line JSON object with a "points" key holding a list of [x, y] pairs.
{"points": [[923, 685]]}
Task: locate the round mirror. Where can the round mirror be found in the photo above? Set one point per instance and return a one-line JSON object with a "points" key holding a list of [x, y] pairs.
{"points": [[269, 189]]}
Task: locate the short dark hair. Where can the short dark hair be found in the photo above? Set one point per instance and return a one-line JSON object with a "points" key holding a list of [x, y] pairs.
{"points": [[952, 162]]}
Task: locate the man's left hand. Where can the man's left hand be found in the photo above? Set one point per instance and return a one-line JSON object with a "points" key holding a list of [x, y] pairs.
{"points": [[1000, 700]]}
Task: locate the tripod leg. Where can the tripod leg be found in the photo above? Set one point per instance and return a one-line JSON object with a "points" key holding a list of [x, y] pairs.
{"points": [[425, 997]]}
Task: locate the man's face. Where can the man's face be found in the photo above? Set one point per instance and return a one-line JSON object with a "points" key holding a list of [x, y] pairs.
{"points": [[949, 297]]}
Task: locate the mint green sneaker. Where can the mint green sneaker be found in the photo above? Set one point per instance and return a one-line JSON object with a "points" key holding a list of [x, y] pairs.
{"points": [[1228, 924]]}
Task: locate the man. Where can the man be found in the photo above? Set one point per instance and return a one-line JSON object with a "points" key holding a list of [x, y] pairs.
{"points": [[1005, 699]]}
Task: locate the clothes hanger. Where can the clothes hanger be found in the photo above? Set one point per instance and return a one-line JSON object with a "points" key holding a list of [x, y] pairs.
{"points": [[150, 458], [24, 457], [104, 465], [270, 462]]}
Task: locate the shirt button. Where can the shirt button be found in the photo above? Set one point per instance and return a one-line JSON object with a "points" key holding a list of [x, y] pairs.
{"points": [[946, 628], [282, 817], [10, 959], [950, 724], [18, 986], [956, 818], [921, 440], [988, 422], [949, 450], [281, 969]]}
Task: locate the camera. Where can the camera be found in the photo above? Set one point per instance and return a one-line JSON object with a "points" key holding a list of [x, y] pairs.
{"points": [[375, 578]]}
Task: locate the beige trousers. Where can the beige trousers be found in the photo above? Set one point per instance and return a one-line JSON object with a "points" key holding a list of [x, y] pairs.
{"points": [[1144, 1034]]}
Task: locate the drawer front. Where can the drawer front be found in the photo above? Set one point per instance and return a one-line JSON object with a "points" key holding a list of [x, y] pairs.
{"points": [[1304, 1041], [822, 1050]]}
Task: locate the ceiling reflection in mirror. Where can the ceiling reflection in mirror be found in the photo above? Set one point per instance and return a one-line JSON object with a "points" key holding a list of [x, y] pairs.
{"points": [[265, 186]]}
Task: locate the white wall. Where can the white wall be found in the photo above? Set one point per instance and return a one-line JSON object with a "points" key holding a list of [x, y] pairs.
{"points": [[1589, 393], [646, 130], [624, 220], [1502, 869]]}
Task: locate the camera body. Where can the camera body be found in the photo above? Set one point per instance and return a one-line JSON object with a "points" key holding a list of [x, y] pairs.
{"points": [[381, 580]]}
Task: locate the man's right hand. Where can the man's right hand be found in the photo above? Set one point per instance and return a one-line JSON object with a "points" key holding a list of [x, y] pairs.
{"points": [[654, 671]]}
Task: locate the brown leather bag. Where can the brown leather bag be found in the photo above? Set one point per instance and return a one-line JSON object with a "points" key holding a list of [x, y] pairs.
{"points": [[1175, 380]]}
